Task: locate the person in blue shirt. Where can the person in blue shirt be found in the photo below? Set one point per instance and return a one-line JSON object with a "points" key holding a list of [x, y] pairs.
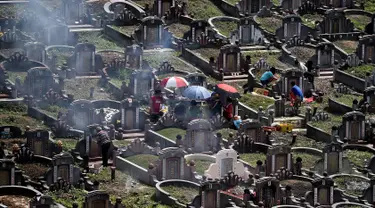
{"points": [[268, 77], [237, 121], [296, 92]]}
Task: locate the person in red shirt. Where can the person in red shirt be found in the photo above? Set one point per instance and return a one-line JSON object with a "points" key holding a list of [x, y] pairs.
{"points": [[156, 102], [228, 109]]}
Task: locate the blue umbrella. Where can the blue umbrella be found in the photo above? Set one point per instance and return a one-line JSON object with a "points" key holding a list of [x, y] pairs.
{"points": [[196, 93]]}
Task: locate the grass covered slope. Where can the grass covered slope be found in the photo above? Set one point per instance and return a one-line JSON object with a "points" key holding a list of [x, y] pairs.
{"points": [[203, 9], [256, 101], [226, 27], [143, 160], [171, 133], [270, 24], [16, 115], [100, 41]]}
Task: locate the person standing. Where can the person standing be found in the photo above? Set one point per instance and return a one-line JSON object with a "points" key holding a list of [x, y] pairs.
{"points": [[104, 142], [156, 101], [228, 110]]}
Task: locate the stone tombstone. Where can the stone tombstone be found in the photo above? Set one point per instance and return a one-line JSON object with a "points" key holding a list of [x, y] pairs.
{"points": [[124, 15], [138, 147], [88, 147], [35, 51], [325, 54], [291, 26], [333, 158], [23, 155], [73, 11], [198, 79], [229, 59], [366, 48], [370, 28], [39, 142], [130, 114], [57, 35], [7, 24], [7, 172], [249, 32], [226, 161], [97, 199], [165, 68], [369, 96], [369, 193], [43, 201], [268, 191], [308, 7], [354, 125], [353, 60], [3, 78], [278, 157], [284, 83], [142, 83], [80, 114], [200, 137], [163, 6], [38, 81], [152, 32], [323, 191], [291, 4], [252, 6], [261, 64], [335, 21], [209, 193], [253, 129], [295, 41], [7, 132], [197, 27], [133, 56], [84, 56], [172, 165], [337, 3], [244, 144], [63, 167]]}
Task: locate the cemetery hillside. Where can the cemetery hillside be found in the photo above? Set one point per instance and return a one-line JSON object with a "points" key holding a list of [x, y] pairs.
{"points": [[187, 103]]}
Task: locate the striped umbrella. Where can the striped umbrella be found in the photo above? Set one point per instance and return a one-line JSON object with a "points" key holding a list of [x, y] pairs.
{"points": [[175, 82]]}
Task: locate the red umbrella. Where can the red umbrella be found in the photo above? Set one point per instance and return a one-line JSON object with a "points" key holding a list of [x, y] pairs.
{"points": [[175, 82], [228, 90]]}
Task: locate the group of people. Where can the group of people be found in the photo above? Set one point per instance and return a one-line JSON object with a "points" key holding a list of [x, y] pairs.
{"points": [[195, 111], [295, 94]]}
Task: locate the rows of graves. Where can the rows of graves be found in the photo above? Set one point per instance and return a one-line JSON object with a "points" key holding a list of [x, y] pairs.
{"points": [[249, 167]]}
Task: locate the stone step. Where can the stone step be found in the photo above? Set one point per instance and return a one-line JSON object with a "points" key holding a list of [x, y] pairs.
{"points": [[326, 69], [326, 77], [240, 76], [158, 50], [96, 167], [323, 73], [87, 77], [299, 130], [133, 135], [85, 29], [14, 2], [80, 26], [235, 80]]}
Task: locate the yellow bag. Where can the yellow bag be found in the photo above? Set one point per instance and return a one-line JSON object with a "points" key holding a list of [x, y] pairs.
{"points": [[286, 127]]}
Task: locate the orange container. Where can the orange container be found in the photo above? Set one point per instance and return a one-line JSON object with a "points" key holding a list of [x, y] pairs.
{"points": [[261, 91]]}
